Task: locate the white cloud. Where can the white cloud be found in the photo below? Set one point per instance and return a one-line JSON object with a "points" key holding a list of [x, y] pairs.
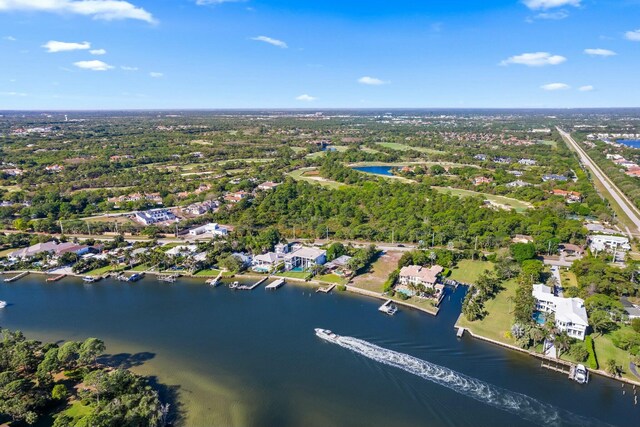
{"points": [[634, 36], [587, 88], [13, 94], [555, 86], [156, 75], [372, 81], [97, 51], [93, 65], [128, 68], [535, 59], [9, 38], [550, 4], [107, 10], [53, 46], [554, 16], [274, 42], [207, 2], [306, 98], [600, 52]]}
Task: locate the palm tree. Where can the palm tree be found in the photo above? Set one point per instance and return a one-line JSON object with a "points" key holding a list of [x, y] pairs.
{"points": [[562, 343]]}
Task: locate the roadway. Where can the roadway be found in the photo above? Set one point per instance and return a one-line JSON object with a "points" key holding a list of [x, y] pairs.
{"points": [[618, 196]]}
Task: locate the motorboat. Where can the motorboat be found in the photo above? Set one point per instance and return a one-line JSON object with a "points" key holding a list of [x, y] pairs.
{"points": [[326, 335], [234, 285], [3, 304], [581, 375], [89, 279]]}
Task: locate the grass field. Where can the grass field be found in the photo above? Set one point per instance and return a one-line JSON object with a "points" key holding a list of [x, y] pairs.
{"points": [[6, 252], [568, 279], [100, 271], [605, 350], [516, 204], [331, 278], [404, 147], [468, 271], [499, 319], [378, 272], [368, 150], [339, 148], [553, 144], [303, 175], [302, 275], [141, 267], [207, 273], [77, 410]]}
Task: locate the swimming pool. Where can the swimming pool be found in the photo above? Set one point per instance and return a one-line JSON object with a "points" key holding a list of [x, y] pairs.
{"points": [[538, 316]]}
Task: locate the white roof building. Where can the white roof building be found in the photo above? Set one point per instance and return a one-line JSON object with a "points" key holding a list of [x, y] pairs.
{"points": [[212, 228], [599, 243], [305, 257], [419, 275], [570, 314]]}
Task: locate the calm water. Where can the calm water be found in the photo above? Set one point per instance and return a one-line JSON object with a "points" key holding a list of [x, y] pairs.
{"points": [[250, 358], [377, 170], [635, 143]]}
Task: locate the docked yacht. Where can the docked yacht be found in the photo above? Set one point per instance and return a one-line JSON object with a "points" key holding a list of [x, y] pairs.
{"points": [[580, 374], [326, 335], [3, 304], [89, 279], [234, 285]]}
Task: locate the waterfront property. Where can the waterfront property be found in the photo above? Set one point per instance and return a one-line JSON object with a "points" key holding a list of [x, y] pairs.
{"points": [[414, 276], [52, 247], [305, 258], [267, 262], [570, 314]]}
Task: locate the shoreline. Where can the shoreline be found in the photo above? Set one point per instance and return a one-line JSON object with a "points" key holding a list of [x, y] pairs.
{"points": [[541, 356], [312, 283]]}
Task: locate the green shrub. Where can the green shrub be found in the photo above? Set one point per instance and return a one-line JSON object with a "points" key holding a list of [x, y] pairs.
{"points": [[625, 339], [341, 288], [402, 296], [59, 392], [635, 324], [592, 361]]}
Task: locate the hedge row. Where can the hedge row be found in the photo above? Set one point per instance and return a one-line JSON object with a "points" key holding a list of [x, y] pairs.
{"points": [[591, 360]]}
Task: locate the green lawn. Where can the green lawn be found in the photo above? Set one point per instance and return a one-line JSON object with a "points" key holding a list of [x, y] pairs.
{"points": [[141, 267], [207, 273], [77, 410], [301, 175], [467, 271], [100, 271], [553, 144], [7, 252], [340, 148], [168, 246], [499, 319], [568, 278], [605, 350], [516, 204], [294, 274], [426, 304], [331, 278], [404, 147]]}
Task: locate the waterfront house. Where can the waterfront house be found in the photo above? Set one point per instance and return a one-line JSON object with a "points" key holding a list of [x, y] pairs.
{"points": [[600, 242], [154, 216], [419, 275], [339, 266], [182, 250], [265, 263], [570, 314], [51, 247], [304, 258]]}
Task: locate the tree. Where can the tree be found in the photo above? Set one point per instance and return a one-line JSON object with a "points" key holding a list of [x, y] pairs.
{"points": [[601, 322], [525, 304], [90, 349], [635, 324], [335, 250], [523, 251], [231, 263], [613, 368], [68, 353], [59, 392], [562, 343], [532, 268]]}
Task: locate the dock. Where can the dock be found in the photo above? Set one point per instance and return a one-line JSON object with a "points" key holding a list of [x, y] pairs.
{"points": [[251, 287], [16, 277], [326, 289], [275, 285], [56, 278], [388, 308], [215, 281], [460, 332], [169, 279]]}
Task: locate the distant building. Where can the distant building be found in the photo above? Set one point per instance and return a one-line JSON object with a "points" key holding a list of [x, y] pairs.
{"points": [[236, 197], [418, 275], [569, 196], [517, 184], [554, 177], [211, 228], [570, 314], [54, 168], [52, 247], [268, 185], [479, 180], [154, 216], [527, 162]]}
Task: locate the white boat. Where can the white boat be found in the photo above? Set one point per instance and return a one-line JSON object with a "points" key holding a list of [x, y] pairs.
{"points": [[234, 285], [88, 279], [581, 375], [213, 282], [326, 335], [388, 308], [3, 304]]}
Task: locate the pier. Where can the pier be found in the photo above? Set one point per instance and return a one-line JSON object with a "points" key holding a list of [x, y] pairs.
{"points": [[56, 278], [388, 308], [251, 287], [215, 281], [326, 289], [275, 285], [169, 279], [16, 277], [460, 332]]}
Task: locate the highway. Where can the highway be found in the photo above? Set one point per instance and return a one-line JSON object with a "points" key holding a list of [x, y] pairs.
{"points": [[625, 204]]}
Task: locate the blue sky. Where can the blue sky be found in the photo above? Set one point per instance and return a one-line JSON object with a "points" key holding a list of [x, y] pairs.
{"points": [[110, 54]]}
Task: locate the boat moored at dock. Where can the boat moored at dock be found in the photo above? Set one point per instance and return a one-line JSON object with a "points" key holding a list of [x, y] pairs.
{"points": [[90, 279], [388, 308]]}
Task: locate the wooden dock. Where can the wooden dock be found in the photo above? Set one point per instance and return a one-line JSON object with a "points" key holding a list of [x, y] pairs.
{"points": [[251, 287], [460, 332], [215, 281], [568, 369], [16, 277], [169, 279], [275, 285], [56, 278], [326, 289]]}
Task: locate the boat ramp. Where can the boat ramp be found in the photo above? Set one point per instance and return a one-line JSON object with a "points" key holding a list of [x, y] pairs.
{"points": [[326, 289]]}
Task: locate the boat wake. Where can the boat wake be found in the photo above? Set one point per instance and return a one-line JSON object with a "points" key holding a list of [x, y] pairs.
{"points": [[519, 404]]}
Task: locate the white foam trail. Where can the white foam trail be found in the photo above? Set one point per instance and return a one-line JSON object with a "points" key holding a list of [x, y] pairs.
{"points": [[524, 406]]}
